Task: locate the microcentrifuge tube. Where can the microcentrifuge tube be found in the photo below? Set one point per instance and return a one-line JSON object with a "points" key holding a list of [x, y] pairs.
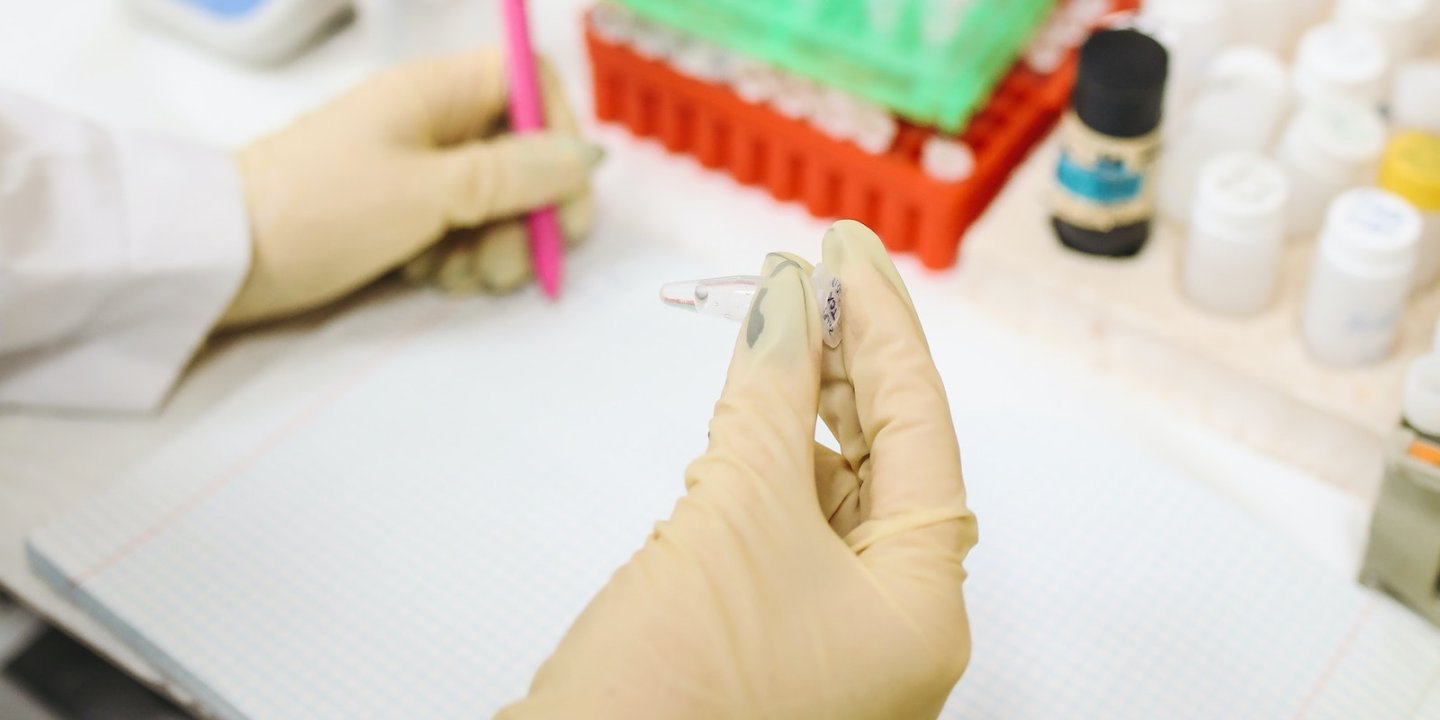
{"points": [[730, 297]]}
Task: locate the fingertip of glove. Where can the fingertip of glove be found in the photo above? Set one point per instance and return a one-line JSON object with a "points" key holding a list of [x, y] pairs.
{"points": [[779, 304], [849, 244]]}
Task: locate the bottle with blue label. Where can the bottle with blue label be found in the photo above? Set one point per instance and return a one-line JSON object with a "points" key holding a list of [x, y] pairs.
{"points": [[1103, 199]]}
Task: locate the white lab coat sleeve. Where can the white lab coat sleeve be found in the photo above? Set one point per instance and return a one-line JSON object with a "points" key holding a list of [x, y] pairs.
{"points": [[118, 253]]}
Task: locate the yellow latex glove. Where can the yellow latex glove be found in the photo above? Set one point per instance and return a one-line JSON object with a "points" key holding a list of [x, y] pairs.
{"points": [[415, 154], [791, 581]]}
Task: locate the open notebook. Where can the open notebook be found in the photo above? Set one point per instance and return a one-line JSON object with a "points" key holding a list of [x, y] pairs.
{"points": [[378, 528]]}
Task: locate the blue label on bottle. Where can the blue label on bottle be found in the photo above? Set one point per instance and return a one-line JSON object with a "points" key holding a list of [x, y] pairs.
{"points": [[226, 9], [1108, 182]]}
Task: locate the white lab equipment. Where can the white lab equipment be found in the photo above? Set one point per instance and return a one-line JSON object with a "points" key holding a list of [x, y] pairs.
{"points": [[1237, 234], [1329, 146], [1399, 23], [730, 297], [400, 30], [1415, 95], [255, 31], [1361, 278], [1341, 61], [1238, 106]]}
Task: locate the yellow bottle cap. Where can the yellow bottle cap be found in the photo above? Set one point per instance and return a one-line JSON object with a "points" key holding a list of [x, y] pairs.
{"points": [[1411, 168]]}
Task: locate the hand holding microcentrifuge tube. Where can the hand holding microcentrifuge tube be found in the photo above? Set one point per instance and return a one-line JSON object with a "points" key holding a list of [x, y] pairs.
{"points": [[791, 580], [411, 168]]}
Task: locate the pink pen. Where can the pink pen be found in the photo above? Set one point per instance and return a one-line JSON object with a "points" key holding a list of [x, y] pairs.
{"points": [[527, 114]]}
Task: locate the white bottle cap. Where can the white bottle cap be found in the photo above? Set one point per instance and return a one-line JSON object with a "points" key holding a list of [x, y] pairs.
{"points": [[1397, 22], [1242, 195], [1334, 137], [1421, 402], [1371, 231], [1336, 60], [1415, 98]]}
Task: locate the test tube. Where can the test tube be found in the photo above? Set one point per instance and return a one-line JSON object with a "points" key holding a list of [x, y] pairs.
{"points": [[947, 159], [755, 81], [837, 114], [796, 96], [730, 297], [655, 41], [875, 129], [613, 22]]}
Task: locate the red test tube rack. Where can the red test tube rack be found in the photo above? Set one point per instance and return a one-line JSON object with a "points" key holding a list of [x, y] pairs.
{"points": [[890, 191]]}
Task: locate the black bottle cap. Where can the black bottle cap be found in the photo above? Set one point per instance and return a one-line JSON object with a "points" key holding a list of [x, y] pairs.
{"points": [[1121, 85]]}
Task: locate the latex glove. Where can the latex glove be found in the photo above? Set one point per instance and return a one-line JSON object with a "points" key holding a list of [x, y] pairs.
{"points": [[367, 182], [791, 581]]}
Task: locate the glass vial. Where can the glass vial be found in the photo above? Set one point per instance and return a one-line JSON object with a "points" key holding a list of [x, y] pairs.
{"points": [[1103, 197]]}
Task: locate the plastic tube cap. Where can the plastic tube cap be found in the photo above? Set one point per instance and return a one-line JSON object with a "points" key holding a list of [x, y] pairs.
{"points": [[1371, 231], [1421, 402], [946, 159], [1411, 169]]}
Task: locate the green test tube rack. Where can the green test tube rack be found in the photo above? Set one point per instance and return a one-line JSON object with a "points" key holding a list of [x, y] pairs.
{"points": [[885, 51]]}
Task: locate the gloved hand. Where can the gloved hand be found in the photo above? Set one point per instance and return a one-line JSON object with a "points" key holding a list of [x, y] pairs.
{"points": [[374, 178], [792, 581]]}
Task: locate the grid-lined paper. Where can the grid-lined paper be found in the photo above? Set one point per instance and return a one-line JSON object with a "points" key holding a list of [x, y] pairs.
{"points": [[379, 528]]}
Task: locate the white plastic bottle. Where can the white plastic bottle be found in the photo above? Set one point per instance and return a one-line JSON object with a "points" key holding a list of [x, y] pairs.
{"points": [[1341, 61], [1192, 32], [1329, 146], [1415, 95], [1399, 23], [1272, 24], [1411, 170], [1361, 277], [1237, 233], [1238, 106]]}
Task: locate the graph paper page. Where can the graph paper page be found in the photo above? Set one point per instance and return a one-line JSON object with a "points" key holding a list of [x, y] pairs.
{"points": [[378, 528]]}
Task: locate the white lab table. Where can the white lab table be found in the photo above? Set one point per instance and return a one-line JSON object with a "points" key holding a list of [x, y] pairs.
{"points": [[95, 59]]}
